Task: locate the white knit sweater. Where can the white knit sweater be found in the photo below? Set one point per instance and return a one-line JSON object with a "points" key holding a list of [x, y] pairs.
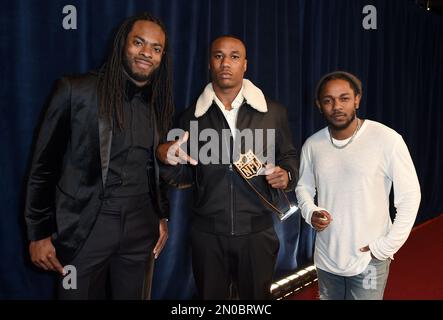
{"points": [[353, 185]]}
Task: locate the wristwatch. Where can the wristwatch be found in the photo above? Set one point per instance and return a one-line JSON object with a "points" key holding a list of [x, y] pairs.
{"points": [[289, 175]]}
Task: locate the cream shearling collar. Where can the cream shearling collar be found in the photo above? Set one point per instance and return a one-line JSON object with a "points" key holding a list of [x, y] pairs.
{"points": [[253, 96]]}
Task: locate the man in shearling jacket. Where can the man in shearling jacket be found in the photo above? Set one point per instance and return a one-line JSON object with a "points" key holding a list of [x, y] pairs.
{"points": [[233, 239]]}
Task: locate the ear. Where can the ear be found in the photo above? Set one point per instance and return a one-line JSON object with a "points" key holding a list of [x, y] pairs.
{"points": [[245, 66], [357, 101], [318, 106]]}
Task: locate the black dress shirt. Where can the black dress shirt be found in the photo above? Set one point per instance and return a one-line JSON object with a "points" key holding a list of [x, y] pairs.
{"points": [[131, 150]]}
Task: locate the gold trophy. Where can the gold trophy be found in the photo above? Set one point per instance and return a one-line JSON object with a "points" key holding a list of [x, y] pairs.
{"points": [[251, 169]]}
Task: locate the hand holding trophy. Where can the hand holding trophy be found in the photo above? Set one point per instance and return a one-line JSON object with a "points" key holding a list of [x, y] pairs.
{"points": [[254, 172]]}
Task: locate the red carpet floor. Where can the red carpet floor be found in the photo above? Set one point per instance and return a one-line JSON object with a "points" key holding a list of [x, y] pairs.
{"points": [[417, 271]]}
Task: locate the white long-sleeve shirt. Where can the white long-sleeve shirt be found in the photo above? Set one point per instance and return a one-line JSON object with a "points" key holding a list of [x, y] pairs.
{"points": [[353, 185]]}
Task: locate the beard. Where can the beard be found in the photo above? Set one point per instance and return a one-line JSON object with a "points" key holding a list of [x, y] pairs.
{"points": [[137, 76], [343, 126]]}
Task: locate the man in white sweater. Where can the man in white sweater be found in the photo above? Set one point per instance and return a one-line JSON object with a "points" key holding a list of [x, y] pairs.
{"points": [[352, 165]]}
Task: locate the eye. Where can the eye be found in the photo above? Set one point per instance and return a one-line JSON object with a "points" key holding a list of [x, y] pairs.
{"points": [[158, 50], [218, 56], [344, 99], [326, 101], [235, 57], [137, 43]]}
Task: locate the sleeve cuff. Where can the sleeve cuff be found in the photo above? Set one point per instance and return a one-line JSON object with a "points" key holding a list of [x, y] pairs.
{"points": [[41, 230], [292, 179], [376, 252], [308, 216]]}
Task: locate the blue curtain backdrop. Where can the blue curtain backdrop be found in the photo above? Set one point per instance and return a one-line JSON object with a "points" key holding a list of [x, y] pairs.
{"points": [[290, 45]]}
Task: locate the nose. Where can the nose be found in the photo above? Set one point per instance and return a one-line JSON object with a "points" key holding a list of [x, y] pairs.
{"points": [[146, 51], [336, 104], [225, 62]]}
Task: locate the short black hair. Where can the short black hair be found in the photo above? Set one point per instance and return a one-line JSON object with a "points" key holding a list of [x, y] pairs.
{"points": [[354, 82], [226, 36]]}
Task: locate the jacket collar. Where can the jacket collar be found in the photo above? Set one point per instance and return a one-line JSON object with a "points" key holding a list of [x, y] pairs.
{"points": [[131, 89], [253, 96]]}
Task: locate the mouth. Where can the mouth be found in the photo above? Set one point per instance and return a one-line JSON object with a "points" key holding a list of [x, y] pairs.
{"points": [[225, 75], [338, 116], [143, 64]]}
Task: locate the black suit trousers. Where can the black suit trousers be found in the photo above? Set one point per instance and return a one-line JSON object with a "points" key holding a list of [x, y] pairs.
{"points": [[117, 256], [229, 267]]}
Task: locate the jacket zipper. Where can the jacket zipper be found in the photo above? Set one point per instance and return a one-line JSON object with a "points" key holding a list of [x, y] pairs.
{"points": [[231, 178], [231, 173]]}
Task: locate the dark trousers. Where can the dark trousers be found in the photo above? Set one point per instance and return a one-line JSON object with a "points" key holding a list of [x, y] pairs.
{"points": [[247, 262], [117, 254]]}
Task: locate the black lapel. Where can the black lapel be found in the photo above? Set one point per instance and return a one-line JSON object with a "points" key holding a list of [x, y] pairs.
{"points": [[105, 135], [156, 141]]}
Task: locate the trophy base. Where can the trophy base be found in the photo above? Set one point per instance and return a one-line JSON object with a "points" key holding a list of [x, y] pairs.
{"points": [[288, 213]]}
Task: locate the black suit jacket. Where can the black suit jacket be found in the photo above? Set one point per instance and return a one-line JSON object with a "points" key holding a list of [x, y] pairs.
{"points": [[69, 167]]}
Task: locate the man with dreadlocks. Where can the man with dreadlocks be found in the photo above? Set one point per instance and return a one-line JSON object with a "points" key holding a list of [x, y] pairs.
{"points": [[94, 197]]}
